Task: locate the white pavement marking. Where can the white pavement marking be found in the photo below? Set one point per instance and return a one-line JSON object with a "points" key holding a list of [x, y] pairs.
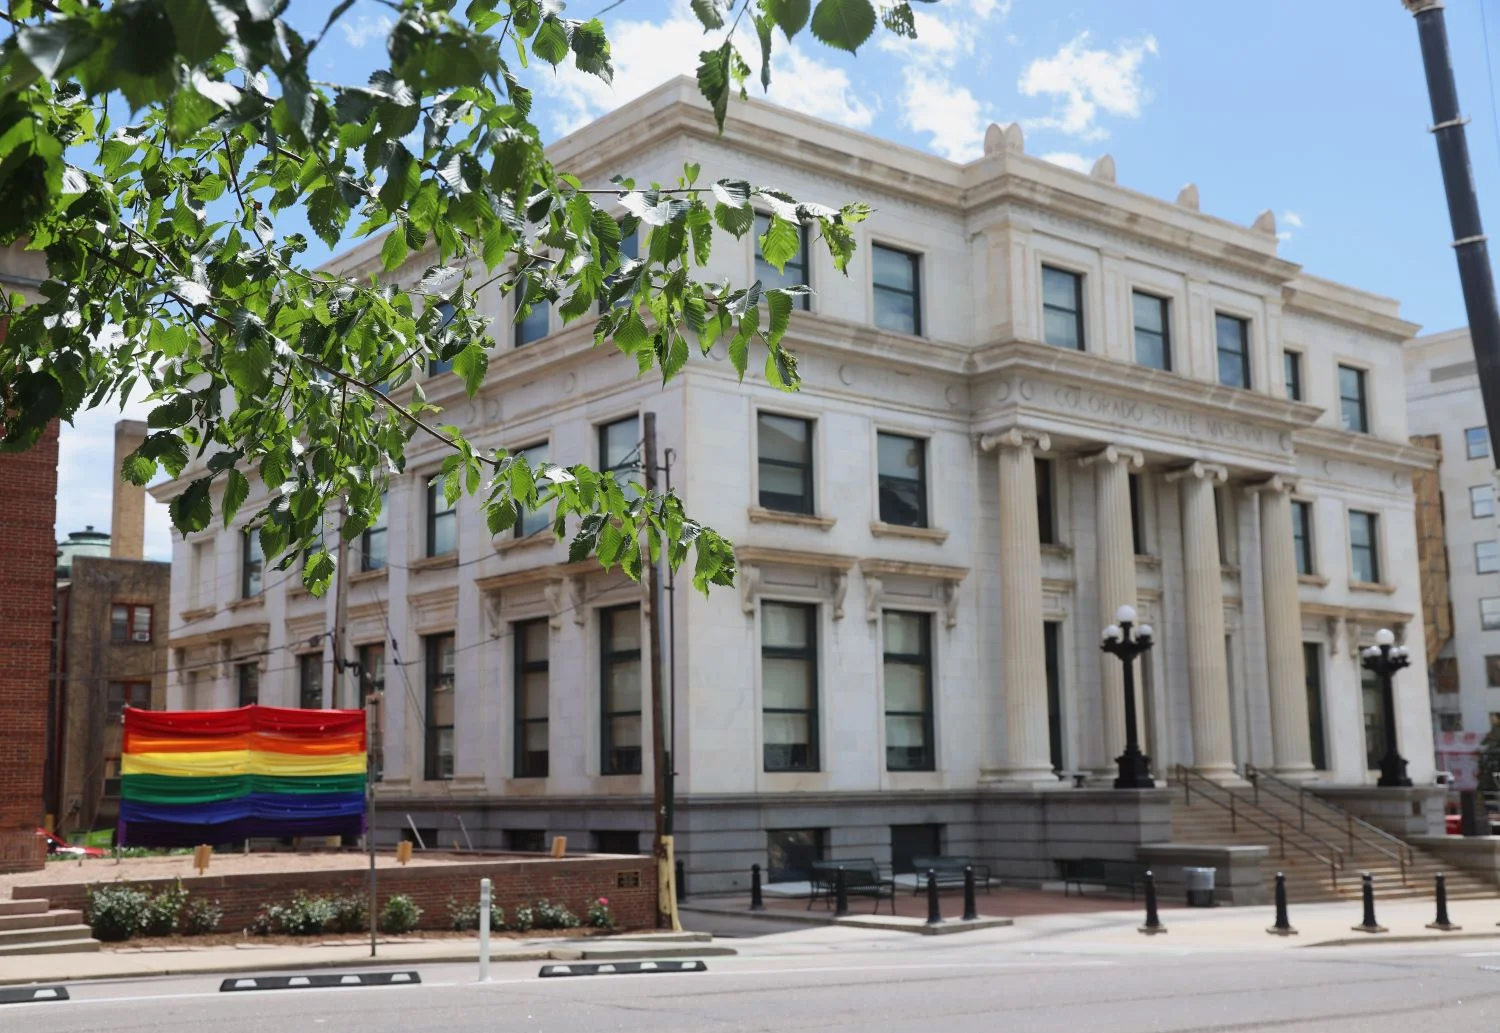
{"points": [[302, 991]]}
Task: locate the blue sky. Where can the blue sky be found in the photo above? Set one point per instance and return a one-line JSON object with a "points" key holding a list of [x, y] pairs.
{"points": [[1315, 109]]}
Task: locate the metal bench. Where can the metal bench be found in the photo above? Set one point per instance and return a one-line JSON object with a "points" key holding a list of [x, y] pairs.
{"points": [[949, 871], [1117, 875], [863, 877]]}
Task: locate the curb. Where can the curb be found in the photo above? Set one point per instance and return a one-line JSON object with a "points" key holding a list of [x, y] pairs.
{"points": [[1377, 940]]}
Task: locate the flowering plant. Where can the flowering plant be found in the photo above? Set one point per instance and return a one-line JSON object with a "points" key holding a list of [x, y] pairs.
{"points": [[600, 917]]}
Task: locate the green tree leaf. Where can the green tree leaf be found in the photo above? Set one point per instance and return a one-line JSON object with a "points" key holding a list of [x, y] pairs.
{"points": [[472, 363], [551, 40], [791, 15], [781, 242], [714, 79], [708, 14], [236, 490], [843, 24], [193, 509]]}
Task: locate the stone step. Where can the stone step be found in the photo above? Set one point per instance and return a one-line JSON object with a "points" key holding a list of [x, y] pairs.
{"points": [[24, 906], [41, 921], [76, 945], [22, 937]]}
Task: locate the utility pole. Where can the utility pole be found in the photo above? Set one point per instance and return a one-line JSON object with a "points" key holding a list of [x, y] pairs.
{"points": [[1463, 208], [341, 669], [666, 906]]}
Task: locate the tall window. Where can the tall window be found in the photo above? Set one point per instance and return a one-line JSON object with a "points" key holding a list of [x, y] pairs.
{"points": [[1477, 442], [1292, 373], [1482, 500], [536, 520], [1444, 673], [372, 683], [1312, 665], [1489, 613], [620, 692], [122, 694], [909, 842], [790, 853], [310, 681], [1374, 710], [793, 274], [1137, 516], [1045, 506], [446, 312], [1364, 546], [130, 622], [439, 669], [1486, 557], [372, 548], [898, 291], [1052, 651], [251, 562], [1234, 350], [1062, 308], [908, 692], [903, 479], [789, 676], [531, 641], [620, 452], [1153, 334], [534, 325], [784, 445], [247, 684], [1353, 409], [1302, 542], [202, 590], [442, 521], [1491, 672], [630, 250]]}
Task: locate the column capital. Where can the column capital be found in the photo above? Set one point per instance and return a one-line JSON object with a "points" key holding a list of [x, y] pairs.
{"points": [[1202, 471], [1279, 483], [1015, 437], [1418, 6], [1131, 457]]}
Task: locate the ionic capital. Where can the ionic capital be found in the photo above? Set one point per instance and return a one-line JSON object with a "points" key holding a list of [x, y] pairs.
{"points": [[1131, 457], [1212, 472], [1015, 437], [1280, 483]]}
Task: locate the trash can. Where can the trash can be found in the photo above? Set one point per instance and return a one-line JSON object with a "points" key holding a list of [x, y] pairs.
{"points": [[1200, 886]]}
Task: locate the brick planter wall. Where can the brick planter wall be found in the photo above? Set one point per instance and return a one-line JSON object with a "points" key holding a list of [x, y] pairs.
{"points": [[574, 881]]}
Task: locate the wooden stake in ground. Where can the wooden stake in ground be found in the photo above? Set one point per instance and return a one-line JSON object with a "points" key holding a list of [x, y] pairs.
{"points": [[403, 851], [201, 854], [559, 846]]}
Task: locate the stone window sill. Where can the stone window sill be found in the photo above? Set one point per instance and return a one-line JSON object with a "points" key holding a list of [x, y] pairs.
{"points": [[201, 613], [1317, 580], [1229, 570], [1054, 549], [247, 604], [761, 515], [507, 542], [923, 534], [1149, 562], [447, 559], [1370, 586], [378, 574]]}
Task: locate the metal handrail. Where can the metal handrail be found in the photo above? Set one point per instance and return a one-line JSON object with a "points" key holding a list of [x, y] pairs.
{"points": [[1402, 855], [1186, 774]]}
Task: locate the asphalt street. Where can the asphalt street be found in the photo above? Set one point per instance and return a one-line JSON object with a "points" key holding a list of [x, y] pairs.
{"points": [[943, 987]]}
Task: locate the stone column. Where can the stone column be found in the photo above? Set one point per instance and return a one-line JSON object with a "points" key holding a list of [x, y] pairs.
{"points": [[1208, 675], [1023, 657], [1290, 735], [1115, 547]]}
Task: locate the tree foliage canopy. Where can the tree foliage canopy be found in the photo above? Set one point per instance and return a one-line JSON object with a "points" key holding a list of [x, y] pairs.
{"points": [[156, 150]]}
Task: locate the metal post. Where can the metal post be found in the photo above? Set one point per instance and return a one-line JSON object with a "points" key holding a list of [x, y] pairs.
{"points": [[484, 930], [1134, 766], [1283, 926], [840, 894], [934, 907], [1153, 924], [757, 902], [681, 881], [666, 910], [1441, 922], [971, 908], [1369, 925]]}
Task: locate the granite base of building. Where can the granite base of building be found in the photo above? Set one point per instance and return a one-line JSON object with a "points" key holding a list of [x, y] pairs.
{"points": [[1405, 812]]}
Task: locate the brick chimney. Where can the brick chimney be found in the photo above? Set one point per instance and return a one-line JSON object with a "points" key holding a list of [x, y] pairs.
{"points": [[127, 525]]}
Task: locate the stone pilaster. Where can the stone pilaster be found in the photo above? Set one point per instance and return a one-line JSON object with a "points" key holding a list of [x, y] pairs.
{"points": [[1208, 674], [1023, 659], [1116, 580], [1290, 736]]}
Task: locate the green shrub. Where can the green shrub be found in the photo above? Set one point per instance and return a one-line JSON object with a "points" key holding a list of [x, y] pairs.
{"points": [[600, 917], [164, 911], [116, 912], [465, 917], [300, 916], [525, 919], [350, 915], [400, 914], [554, 916], [201, 916]]}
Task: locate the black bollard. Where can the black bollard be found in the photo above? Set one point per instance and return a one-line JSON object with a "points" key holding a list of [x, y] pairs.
{"points": [[1153, 920], [840, 894], [680, 877], [757, 902], [934, 909], [971, 909], [1283, 926], [1441, 922], [1369, 925]]}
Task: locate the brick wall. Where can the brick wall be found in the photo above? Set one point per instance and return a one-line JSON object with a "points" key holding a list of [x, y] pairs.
{"points": [[27, 584], [574, 881]]}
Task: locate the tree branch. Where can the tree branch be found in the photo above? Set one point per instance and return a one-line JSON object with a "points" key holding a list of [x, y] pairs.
{"points": [[234, 176]]}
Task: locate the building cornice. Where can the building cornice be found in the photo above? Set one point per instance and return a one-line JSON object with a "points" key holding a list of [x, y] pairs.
{"points": [[1333, 302], [216, 635], [1365, 448]]}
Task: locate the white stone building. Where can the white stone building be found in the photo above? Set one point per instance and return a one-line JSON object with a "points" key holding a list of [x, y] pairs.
{"points": [[1036, 396]]}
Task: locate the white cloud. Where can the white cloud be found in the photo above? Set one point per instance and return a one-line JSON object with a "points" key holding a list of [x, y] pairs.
{"points": [[1084, 81], [366, 28], [86, 476], [1292, 221], [1069, 160], [950, 115], [646, 54], [937, 40]]}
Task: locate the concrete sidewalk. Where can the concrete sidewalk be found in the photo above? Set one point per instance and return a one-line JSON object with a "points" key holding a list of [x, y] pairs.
{"points": [[254, 957]]}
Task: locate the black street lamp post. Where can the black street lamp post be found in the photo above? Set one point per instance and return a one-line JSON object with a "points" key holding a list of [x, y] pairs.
{"points": [[1385, 658], [1135, 766]]}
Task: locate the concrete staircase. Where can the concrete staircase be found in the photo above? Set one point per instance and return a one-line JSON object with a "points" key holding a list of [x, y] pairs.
{"points": [[1320, 848], [32, 927]]}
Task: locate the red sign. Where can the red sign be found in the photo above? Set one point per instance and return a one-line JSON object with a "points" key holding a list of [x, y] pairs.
{"points": [[1458, 753]]}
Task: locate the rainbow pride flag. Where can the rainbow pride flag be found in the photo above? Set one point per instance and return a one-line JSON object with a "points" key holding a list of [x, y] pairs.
{"points": [[215, 776]]}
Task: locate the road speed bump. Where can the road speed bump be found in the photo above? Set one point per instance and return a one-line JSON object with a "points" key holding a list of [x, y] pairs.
{"points": [[319, 980], [619, 968], [32, 994]]}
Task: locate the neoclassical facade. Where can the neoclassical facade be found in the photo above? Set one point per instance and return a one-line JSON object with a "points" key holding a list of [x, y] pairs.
{"points": [[1036, 396]]}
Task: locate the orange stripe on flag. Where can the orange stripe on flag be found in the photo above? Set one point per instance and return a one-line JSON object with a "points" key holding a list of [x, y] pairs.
{"points": [[272, 742]]}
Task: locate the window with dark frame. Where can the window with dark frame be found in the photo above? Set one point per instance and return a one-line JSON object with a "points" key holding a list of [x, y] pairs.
{"points": [[446, 313], [1062, 308], [1153, 330], [535, 324], [1444, 672], [909, 842], [310, 681], [1489, 613], [532, 640], [784, 452], [1052, 652], [1302, 543], [902, 470], [898, 289], [620, 689], [1492, 672], [1312, 664], [1046, 508], [790, 853], [438, 671], [620, 452], [122, 694], [1354, 414], [1482, 501], [247, 684], [794, 274], [1292, 373], [1373, 703], [530, 522], [1233, 338], [442, 521], [372, 542], [1137, 516], [251, 563], [525, 841], [1486, 557], [630, 250], [1477, 442], [1364, 547], [907, 661], [789, 686], [616, 841], [130, 622]]}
